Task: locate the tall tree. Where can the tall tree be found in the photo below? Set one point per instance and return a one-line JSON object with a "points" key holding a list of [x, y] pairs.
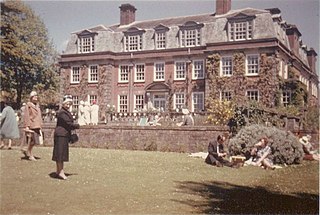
{"points": [[27, 55]]}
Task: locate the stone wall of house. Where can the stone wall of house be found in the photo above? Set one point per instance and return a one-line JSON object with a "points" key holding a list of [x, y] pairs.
{"points": [[149, 138]]}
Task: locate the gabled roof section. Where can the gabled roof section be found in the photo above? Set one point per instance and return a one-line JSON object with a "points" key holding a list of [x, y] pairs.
{"points": [[161, 27], [241, 15], [93, 29], [191, 24], [86, 33], [134, 30], [249, 12]]}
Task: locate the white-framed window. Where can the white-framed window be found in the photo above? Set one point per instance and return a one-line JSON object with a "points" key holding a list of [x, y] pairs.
{"points": [[197, 101], [190, 37], [159, 68], [281, 63], [252, 67], [75, 75], [123, 103], [160, 40], [252, 95], [93, 74], [133, 42], [179, 100], [285, 71], [86, 44], [240, 30], [180, 70], [226, 66], [124, 73], [139, 73], [225, 96], [75, 103], [286, 98], [159, 101], [93, 98], [139, 102], [198, 69], [314, 90]]}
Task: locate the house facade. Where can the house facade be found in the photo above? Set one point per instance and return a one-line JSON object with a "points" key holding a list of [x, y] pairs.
{"points": [[246, 54]]}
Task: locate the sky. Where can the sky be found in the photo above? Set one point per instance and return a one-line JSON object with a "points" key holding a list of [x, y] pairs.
{"points": [[64, 17]]}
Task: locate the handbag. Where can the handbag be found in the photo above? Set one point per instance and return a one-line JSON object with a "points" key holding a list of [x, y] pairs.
{"points": [[74, 138]]}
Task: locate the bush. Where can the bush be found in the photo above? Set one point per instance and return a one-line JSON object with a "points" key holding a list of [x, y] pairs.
{"points": [[286, 148]]}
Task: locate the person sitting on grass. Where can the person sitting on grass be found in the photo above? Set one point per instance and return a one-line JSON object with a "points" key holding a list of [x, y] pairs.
{"points": [[217, 154], [309, 153], [261, 154]]}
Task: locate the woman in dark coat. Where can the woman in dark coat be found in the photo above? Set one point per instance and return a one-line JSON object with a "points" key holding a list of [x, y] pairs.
{"points": [[62, 134]]}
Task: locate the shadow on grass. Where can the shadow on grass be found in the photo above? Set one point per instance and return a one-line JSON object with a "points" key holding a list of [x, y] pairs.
{"points": [[55, 176], [27, 158], [226, 198]]}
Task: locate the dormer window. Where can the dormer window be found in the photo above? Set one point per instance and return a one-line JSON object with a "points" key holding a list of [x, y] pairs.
{"points": [[133, 39], [86, 42], [160, 36], [240, 27], [190, 34]]}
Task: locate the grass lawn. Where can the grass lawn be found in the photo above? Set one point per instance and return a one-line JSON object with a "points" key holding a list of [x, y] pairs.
{"points": [[137, 182]]}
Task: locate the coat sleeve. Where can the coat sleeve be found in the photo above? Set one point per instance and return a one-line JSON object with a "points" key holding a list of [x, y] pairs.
{"points": [[27, 116], [69, 121], [212, 149]]}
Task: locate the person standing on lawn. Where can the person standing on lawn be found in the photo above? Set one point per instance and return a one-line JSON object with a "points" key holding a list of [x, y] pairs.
{"points": [[62, 134], [33, 124], [9, 126]]}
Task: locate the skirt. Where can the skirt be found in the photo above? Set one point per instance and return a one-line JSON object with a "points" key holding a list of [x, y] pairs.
{"points": [[60, 149]]}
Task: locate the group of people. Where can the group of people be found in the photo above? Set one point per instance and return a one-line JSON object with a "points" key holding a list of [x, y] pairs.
{"points": [[260, 154], [32, 132], [32, 119], [88, 114]]}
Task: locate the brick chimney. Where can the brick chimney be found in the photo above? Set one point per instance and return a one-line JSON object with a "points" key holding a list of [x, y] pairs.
{"points": [[127, 14], [312, 59], [293, 36], [223, 6]]}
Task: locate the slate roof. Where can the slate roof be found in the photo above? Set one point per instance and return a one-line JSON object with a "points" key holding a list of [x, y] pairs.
{"points": [[176, 21]]}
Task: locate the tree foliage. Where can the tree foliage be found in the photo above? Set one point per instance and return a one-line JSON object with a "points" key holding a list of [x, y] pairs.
{"points": [[27, 55]]}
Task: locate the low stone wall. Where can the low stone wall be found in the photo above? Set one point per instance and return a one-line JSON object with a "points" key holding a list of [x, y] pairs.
{"points": [[150, 138]]}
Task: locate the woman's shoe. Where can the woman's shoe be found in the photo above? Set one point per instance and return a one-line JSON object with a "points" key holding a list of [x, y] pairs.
{"points": [[63, 177], [32, 158]]}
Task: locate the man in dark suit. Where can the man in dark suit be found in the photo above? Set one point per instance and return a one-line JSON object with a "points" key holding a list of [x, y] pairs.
{"points": [[217, 153]]}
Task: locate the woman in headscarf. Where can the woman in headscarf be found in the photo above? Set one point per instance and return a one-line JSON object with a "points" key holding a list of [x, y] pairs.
{"points": [[62, 135]]}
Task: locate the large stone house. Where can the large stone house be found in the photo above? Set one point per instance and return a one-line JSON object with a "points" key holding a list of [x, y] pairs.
{"points": [[245, 54]]}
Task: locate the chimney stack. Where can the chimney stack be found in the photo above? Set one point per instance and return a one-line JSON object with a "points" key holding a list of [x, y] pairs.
{"points": [[223, 6], [293, 36], [312, 59], [127, 14]]}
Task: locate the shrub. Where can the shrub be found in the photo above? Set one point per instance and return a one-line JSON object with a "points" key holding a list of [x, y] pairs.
{"points": [[219, 112], [286, 148]]}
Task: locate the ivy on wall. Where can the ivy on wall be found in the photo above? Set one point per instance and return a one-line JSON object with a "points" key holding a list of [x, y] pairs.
{"points": [[269, 84]]}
